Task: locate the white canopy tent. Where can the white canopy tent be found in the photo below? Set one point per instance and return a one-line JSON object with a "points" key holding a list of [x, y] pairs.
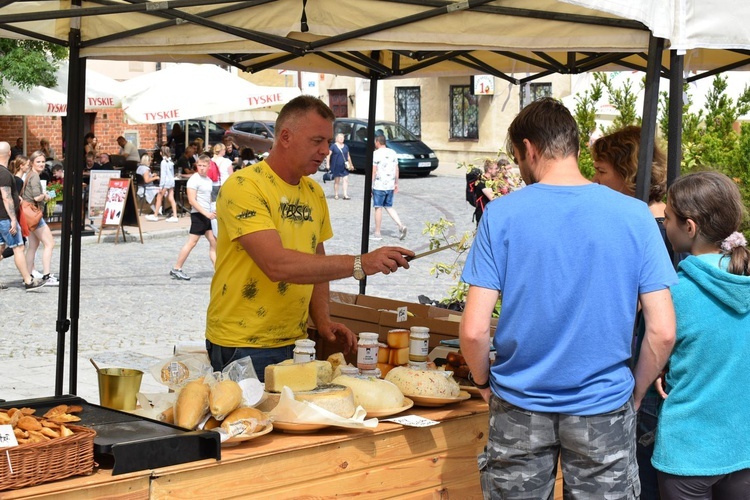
{"points": [[185, 91], [379, 39]]}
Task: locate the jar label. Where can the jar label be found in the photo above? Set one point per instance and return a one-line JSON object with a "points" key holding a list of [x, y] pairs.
{"points": [[367, 356], [419, 347], [303, 357]]}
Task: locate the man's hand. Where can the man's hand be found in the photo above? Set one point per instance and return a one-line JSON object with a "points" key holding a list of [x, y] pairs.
{"points": [[13, 226], [386, 260], [337, 332]]}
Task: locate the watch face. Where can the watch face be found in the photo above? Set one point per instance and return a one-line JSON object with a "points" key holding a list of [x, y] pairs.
{"points": [[359, 274]]}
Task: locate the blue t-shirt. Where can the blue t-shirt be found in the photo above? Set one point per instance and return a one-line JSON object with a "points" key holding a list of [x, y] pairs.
{"points": [[570, 262]]}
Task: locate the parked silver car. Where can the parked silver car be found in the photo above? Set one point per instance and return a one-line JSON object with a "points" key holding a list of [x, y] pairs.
{"points": [[256, 134]]}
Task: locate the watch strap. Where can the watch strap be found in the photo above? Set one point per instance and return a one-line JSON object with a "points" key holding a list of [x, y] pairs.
{"points": [[478, 386]]}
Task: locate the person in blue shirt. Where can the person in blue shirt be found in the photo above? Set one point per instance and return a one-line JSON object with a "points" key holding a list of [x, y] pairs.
{"points": [[572, 260], [703, 436]]}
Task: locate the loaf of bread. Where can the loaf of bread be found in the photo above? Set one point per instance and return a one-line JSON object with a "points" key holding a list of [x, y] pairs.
{"points": [[192, 404], [224, 397], [244, 421], [428, 383], [372, 393]]}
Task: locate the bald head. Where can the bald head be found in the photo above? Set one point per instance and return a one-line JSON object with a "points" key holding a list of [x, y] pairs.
{"points": [[4, 153]]}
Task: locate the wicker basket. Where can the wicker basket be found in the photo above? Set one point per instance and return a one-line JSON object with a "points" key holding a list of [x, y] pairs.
{"points": [[48, 461]]}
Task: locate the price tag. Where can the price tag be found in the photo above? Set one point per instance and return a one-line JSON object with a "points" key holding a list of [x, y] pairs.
{"points": [[7, 438], [401, 314], [412, 421]]}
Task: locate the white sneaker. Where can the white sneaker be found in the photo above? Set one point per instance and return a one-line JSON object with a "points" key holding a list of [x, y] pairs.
{"points": [[173, 219], [161, 210], [36, 274], [50, 280], [152, 218]]}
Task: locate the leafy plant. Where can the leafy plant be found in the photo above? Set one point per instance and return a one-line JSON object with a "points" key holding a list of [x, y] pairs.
{"points": [[26, 63]]}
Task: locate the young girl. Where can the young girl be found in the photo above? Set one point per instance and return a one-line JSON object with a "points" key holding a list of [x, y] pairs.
{"points": [[703, 436], [166, 183]]}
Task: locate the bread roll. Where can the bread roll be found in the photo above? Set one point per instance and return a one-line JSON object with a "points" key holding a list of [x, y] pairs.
{"points": [[244, 420], [224, 397], [192, 404], [372, 393]]}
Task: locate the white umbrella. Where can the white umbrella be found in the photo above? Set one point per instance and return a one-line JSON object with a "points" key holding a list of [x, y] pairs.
{"points": [[37, 101], [101, 91], [186, 91]]}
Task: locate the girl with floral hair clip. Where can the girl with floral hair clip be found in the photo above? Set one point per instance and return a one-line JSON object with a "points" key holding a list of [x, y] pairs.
{"points": [[703, 436]]}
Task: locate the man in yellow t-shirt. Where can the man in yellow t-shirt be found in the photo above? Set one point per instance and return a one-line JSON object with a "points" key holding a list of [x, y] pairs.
{"points": [[271, 268]]}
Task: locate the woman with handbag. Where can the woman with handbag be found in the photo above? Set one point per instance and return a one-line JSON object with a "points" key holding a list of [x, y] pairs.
{"points": [[33, 199], [340, 164]]}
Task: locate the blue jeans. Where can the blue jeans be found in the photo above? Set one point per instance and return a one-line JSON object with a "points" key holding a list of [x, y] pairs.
{"points": [[221, 356], [10, 240]]}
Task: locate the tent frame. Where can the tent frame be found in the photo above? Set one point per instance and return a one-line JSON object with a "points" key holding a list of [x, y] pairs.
{"points": [[367, 64]]}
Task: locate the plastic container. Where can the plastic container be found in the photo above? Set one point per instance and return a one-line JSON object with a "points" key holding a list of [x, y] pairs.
{"points": [[419, 343], [304, 351], [367, 351]]}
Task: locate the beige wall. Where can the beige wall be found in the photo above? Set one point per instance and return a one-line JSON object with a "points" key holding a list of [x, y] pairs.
{"points": [[495, 112]]}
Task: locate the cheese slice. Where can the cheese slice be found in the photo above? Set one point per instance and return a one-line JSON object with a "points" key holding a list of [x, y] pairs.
{"points": [[373, 393], [325, 370], [398, 339], [399, 356], [296, 376]]}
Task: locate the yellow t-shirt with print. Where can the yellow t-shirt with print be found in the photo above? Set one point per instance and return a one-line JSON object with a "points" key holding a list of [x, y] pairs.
{"points": [[247, 309]]}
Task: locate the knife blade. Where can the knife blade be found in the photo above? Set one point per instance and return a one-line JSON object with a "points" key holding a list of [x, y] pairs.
{"points": [[434, 250]]}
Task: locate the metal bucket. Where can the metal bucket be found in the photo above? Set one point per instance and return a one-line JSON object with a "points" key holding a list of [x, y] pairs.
{"points": [[118, 387]]}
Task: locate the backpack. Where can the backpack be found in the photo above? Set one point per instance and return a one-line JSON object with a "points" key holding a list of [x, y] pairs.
{"points": [[213, 171], [472, 176]]}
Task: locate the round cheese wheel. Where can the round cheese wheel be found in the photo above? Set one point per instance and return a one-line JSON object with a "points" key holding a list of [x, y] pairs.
{"points": [[429, 383], [337, 399], [372, 393]]}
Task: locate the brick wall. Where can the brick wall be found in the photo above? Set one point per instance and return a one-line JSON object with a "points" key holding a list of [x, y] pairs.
{"points": [[107, 125]]}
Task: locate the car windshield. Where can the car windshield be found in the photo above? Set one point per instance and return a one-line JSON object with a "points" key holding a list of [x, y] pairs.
{"points": [[394, 132]]}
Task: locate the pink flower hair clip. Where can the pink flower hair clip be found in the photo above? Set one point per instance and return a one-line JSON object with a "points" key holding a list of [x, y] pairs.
{"points": [[734, 240]]}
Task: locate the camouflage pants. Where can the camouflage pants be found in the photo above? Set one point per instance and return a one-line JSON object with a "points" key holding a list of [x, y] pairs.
{"points": [[597, 454]]}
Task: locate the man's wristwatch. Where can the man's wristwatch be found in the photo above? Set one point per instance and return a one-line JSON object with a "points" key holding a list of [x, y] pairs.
{"points": [[478, 386], [359, 273]]}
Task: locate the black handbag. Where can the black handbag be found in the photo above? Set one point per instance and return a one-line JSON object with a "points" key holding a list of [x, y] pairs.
{"points": [[328, 176]]}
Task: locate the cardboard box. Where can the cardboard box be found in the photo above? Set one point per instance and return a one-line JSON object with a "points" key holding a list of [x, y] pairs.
{"points": [[367, 313]]}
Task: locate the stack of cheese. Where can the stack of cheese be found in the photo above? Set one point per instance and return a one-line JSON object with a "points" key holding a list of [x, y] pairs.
{"points": [[396, 353], [425, 383], [310, 382]]}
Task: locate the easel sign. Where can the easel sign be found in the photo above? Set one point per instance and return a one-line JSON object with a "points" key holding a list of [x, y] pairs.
{"points": [[120, 208], [98, 187]]}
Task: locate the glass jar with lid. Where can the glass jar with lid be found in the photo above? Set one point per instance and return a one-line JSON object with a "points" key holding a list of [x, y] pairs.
{"points": [[419, 343], [304, 351], [349, 370], [367, 351]]}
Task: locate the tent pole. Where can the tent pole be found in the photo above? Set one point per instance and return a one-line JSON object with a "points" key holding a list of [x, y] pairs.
{"points": [[674, 147], [71, 189], [75, 156], [648, 127], [366, 203]]}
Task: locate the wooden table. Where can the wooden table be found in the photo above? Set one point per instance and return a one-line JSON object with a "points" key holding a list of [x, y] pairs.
{"points": [[391, 461]]}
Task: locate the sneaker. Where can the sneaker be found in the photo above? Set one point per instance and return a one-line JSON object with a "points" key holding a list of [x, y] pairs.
{"points": [[161, 210], [35, 283], [36, 274], [179, 274], [173, 219], [376, 237], [50, 280], [152, 218], [402, 233]]}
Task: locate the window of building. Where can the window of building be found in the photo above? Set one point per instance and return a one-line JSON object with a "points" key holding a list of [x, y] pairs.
{"points": [[531, 92], [409, 109], [464, 113]]}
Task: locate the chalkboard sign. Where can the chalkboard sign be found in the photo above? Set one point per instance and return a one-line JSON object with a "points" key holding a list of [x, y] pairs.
{"points": [[120, 207], [98, 187]]}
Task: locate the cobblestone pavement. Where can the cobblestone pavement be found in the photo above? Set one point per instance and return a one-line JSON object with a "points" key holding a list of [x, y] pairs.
{"points": [[132, 313]]}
